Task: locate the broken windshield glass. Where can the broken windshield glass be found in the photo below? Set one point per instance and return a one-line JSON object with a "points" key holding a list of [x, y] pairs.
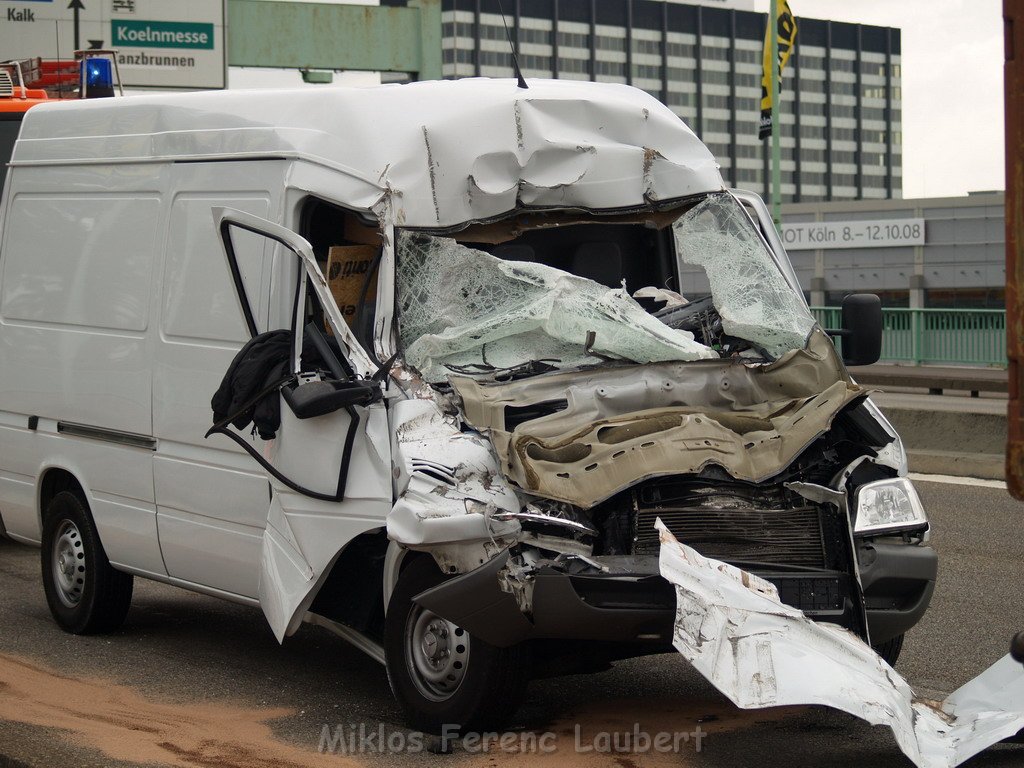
{"points": [[749, 291], [462, 307]]}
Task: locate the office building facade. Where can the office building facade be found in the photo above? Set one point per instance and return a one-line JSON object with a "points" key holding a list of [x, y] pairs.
{"points": [[841, 102]]}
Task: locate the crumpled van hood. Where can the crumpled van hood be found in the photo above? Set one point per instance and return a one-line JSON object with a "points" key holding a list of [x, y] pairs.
{"points": [[583, 436]]}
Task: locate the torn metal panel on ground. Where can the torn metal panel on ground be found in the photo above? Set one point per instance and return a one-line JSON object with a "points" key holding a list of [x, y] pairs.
{"points": [[761, 653]]}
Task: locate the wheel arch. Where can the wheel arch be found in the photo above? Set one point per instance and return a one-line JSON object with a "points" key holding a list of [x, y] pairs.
{"points": [[361, 580], [53, 479]]}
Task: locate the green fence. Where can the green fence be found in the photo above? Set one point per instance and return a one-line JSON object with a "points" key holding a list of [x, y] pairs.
{"points": [[949, 336]]}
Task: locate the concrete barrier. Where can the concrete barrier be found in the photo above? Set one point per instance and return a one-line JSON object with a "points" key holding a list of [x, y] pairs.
{"points": [[965, 443]]}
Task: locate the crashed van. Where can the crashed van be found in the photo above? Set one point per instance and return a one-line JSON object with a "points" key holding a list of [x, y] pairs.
{"points": [[424, 365]]}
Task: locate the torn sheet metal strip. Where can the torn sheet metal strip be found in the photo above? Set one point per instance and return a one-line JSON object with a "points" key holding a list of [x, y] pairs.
{"points": [[762, 653]]}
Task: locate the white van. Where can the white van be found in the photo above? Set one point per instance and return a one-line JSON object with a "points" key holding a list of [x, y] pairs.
{"points": [[516, 327]]}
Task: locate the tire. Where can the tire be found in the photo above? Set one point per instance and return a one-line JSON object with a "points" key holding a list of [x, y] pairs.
{"points": [[85, 593], [890, 650], [489, 685]]}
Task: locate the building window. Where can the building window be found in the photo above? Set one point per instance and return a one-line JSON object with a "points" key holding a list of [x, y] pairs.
{"points": [[682, 50], [812, 131], [606, 43], [574, 66], [574, 40], [611, 69], [541, 63], [712, 125], [495, 59], [679, 75], [747, 80], [648, 71], [714, 101], [679, 99], [531, 35], [808, 61], [648, 47]]}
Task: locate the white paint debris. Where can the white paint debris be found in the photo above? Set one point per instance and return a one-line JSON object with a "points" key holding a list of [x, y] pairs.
{"points": [[762, 653]]}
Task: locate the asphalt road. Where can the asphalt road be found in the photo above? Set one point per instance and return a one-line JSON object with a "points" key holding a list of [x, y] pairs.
{"points": [[193, 681]]}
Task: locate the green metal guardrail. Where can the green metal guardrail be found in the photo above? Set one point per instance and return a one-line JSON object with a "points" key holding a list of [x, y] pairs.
{"points": [[949, 336]]}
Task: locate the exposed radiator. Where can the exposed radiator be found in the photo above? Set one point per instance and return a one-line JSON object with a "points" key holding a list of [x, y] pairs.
{"points": [[733, 523]]}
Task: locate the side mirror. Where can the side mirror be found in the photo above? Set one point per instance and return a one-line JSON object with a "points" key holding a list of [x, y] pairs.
{"points": [[317, 398], [1017, 647], [862, 329]]}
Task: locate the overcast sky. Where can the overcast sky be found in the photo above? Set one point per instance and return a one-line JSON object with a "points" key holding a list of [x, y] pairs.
{"points": [[952, 86]]}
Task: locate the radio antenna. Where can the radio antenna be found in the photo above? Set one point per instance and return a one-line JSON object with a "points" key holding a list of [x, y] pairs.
{"points": [[515, 57]]}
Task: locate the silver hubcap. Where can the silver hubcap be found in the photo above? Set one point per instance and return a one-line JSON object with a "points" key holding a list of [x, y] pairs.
{"points": [[69, 564], [437, 653]]}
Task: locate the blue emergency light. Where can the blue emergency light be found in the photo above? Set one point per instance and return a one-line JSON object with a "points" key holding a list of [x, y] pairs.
{"points": [[97, 78]]}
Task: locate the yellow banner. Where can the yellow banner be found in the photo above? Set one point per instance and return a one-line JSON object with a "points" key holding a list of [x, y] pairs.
{"points": [[787, 39]]}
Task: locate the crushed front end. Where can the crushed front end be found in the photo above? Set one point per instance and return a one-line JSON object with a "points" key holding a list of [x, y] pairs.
{"points": [[590, 413]]}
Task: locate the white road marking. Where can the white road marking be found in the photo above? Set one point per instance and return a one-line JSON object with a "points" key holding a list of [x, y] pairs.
{"points": [[951, 480]]}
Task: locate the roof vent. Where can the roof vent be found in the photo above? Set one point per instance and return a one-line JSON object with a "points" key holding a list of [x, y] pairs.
{"points": [[6, 84]]}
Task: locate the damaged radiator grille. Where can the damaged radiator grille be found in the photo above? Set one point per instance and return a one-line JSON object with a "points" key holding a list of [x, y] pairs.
{"points": [[734, 525]]}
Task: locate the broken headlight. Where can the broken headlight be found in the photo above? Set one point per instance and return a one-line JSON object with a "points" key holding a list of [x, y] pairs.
{"points": [[889, 506]]}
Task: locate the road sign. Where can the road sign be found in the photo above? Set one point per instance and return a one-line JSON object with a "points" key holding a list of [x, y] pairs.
{"points": [[160, 44], [828, 235]]}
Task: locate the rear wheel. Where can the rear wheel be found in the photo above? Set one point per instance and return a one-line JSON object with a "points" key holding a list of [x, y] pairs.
{"points": [[890, 650], [85, 593], [441, 675]]}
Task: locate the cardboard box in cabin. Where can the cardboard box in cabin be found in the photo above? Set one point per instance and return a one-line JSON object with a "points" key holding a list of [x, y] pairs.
{"points": [[347, 266]]}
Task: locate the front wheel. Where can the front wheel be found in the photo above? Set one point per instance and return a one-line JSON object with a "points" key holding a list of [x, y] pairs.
{"points": [[890, 650], [85, 593], [441, 676]]}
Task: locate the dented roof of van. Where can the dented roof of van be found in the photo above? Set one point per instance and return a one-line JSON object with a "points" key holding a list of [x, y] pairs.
{"points": [[437, 153]]}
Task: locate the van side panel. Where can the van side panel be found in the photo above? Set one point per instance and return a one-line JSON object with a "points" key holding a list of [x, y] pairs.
{"points": [[75, 305], [212, 497], [77, 259]]}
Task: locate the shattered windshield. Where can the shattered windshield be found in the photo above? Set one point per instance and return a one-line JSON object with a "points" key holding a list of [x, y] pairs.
{"points": [[463, 309], [751, 295], [584, 294]]}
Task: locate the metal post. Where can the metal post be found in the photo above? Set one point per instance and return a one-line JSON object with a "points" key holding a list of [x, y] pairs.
{"points": [[1013, 83], [776, 127]]}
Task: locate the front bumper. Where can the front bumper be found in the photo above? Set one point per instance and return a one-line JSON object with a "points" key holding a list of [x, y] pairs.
{"points": [[898, 582], [632, 603]]}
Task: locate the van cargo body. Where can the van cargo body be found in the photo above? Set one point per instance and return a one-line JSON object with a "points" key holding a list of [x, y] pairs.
{"points": [[491, 336]]}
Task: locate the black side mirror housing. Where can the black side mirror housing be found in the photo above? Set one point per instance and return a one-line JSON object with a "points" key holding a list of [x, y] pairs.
{"points": [[316, 398], [862, 329]]}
